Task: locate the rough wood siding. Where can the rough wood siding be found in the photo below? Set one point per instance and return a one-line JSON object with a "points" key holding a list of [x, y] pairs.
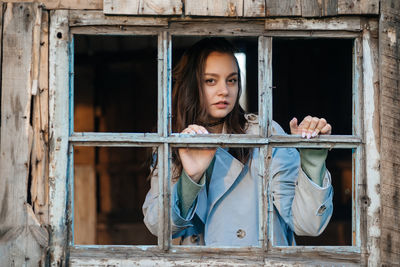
{"points": [[66, 4], [283, 8], [226, 8], [40, 122], [389, 50], [143, 7], [254, 8], [23, 240], [358, 7]]}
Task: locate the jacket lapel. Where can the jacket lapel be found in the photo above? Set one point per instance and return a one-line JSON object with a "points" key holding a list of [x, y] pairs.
{"points": [[226, 170]]}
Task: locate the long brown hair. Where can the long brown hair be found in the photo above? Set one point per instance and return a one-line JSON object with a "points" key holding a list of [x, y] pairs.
{"points": [[188, 104]]}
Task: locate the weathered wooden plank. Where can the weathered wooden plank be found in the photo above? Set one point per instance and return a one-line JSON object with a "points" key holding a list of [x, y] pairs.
{"points": [[224, 8], [349, 7], [283, 8], [207, 256], [311, 8], [66, 4], [23, 240], [131, 139], [346, 24], [254, 8], [372, 139], [329, 7], [92, 18], [356, 7], [389, 45], [143, 7], [39, 157], [265, 119], [369, 7], [59, 127]]}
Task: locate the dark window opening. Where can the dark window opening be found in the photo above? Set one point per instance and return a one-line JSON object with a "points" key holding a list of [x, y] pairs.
{"points": [[314, 77]]}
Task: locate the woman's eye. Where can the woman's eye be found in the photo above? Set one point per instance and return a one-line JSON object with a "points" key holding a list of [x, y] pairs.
{"points": [[232, 81], [210, 81]]}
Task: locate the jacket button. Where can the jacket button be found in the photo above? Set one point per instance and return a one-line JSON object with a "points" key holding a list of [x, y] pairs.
{"points": [[194, 238], [321, 210], [240, 233]]}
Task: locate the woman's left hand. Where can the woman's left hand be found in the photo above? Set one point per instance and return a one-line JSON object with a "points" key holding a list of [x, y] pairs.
{"points": [[310, 127]]}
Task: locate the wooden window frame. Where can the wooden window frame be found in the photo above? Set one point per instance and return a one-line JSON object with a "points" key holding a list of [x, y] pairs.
{"points": [[64, 24]]}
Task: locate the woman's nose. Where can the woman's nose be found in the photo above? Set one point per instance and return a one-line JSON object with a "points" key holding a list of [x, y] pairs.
{"points": [[223, 89]]}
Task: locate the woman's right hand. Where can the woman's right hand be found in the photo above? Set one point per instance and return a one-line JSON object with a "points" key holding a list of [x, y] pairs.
{"points": [[195, 161]]}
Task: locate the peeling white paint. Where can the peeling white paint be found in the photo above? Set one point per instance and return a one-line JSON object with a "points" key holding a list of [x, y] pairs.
{"points": [[372, 156], [391, 32], [58, 110]]}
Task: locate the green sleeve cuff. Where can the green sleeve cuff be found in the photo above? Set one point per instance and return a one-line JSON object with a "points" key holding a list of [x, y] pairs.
{"points": [[313, 163], [188, 191]]}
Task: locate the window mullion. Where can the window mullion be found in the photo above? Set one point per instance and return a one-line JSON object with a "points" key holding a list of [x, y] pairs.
{"points": [[164, 126], [265, 118], [357, 130], [265, 84]]}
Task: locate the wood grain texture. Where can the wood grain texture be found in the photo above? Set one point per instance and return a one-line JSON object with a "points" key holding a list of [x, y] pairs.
{"points": [[349, 7], [389, 47], [66, 4], [372, 145], [311, 8], [346, 24], [254, 8], [143, 7], [94, 17], [217, 8], [40, 111], [356, 7], [23, 240], [58, 134], [283, 8], [329, 7]]}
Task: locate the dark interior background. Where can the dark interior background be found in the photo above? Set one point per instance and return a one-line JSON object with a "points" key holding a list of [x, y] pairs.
{"points": [[115, 90]]}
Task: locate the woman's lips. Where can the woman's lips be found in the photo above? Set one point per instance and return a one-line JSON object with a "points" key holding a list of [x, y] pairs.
{"points": [[221, 104]]}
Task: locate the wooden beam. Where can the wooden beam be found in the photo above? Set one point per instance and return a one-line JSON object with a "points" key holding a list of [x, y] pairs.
{"points": [[237, 140], [65, 4], [143, 7], [209, 256], [336, 24], [59, 127], [217, 8], [93, 18], [23, 240], [389, 62], [372, 146]]}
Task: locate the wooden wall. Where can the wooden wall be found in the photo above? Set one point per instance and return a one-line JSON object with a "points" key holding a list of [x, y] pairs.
{"points": [[230, 8], [25, 142], [389, 57]]}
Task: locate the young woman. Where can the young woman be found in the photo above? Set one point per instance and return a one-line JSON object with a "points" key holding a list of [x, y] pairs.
{"points": [[215, 191]]}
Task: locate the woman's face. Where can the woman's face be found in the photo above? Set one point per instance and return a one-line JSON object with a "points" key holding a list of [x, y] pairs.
{"points": [[220, 85]]}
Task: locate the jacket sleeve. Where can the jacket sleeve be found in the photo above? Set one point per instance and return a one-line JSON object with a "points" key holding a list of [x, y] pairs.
{"points": [[304, 206], [151, 206]]}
